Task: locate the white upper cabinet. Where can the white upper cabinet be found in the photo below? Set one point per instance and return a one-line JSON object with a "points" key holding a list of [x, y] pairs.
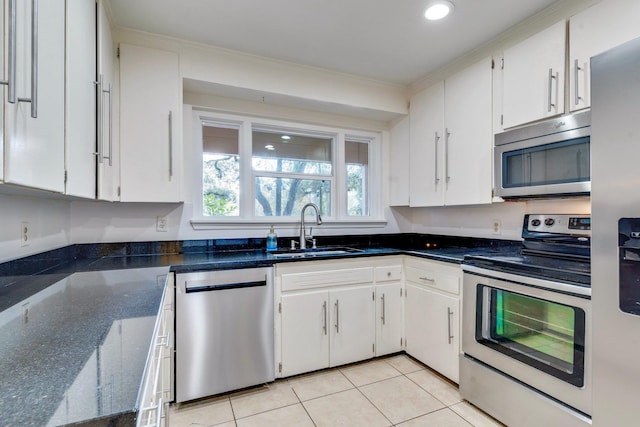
{"points": [[426, 111], [34, 152], [468, 139], [150, 125], [398, 167], [533, 77], [80, 138], [108, 152], [595, 30], [451, 140]]}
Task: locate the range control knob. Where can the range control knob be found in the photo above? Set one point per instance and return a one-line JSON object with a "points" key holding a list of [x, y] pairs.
{"points": [[549, 222], [535, 222]]}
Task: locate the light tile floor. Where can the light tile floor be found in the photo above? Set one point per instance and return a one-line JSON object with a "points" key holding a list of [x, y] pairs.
{"points": [[391, 391]]}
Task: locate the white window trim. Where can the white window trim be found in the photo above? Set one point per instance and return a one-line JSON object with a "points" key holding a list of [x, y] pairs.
{"points": [[245, 125]]}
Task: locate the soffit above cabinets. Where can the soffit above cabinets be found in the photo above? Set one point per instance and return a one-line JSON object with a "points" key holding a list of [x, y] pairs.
{"points": [[389, 41]]}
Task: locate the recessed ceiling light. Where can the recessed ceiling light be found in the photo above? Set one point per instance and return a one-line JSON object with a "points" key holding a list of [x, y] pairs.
{"points": [[270, 147], [285, 137], [438, 10]]}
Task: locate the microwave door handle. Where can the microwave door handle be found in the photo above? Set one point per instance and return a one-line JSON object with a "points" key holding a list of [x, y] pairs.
{"points": [[526, 169]]}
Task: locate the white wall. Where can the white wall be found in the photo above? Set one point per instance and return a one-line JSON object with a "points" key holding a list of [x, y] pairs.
{"points": [[48, 225], [257, 77], [477, 221]]}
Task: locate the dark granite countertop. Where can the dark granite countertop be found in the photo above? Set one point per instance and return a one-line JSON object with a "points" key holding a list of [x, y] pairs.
{"points": [[76, 323], [76, 350]]}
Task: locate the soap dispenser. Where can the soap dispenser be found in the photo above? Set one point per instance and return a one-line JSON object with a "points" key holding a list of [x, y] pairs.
{"points": [[272, 240]]}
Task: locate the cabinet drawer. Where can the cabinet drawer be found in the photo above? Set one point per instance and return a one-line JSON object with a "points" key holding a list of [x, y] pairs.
{"points": [[387, 273], [312, 279], [434, 279]]}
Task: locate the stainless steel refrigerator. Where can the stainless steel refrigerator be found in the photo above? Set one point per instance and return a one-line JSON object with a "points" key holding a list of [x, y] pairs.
{"points": [[615, 264]]}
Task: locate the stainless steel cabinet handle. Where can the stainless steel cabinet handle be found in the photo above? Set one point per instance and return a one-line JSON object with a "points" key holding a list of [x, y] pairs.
{"points": [[324, 317], [110, 92], [428, 279], [576, 86], [170, 144], [435, 160], [11, 58], [551, 77], [449, 314], [383, 317], [100, 124], [447, 134], [34, 61], [337, 307]]}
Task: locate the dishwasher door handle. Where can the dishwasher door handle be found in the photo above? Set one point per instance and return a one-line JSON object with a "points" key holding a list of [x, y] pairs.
{"points": [[199, 287]]}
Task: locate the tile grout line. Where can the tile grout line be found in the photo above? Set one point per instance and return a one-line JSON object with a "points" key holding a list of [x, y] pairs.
{"points": [[303, 407]]}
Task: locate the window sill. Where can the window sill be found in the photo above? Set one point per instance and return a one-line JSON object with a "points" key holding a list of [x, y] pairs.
{"points": [[238, 224]]}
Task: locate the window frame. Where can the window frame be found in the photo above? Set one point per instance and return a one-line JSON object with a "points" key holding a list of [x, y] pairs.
{"points": [[247, 219]]}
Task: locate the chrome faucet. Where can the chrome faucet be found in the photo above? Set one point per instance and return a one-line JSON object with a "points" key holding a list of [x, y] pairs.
{"points": [[303, 233]]}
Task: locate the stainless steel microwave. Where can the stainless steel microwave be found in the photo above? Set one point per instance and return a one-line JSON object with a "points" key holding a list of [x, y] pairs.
{"points": [[545, 159]]}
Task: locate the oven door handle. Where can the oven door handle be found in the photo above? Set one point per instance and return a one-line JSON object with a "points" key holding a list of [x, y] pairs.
{"points": [[576, 290]]}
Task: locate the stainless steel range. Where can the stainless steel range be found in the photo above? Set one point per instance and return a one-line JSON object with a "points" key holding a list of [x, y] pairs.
{"points": [[526, 335]]}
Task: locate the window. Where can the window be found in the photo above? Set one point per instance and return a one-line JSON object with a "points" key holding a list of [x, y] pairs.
{"points": [[357, 162], [220, 171], [266, 171], [290, 171]]}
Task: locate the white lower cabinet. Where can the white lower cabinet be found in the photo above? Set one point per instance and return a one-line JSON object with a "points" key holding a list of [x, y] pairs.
{"points": [[351, 315], [336, 312], [389, 318], [157, 384], [331, 313], [305, 337], [432, 314], [326, 328]]}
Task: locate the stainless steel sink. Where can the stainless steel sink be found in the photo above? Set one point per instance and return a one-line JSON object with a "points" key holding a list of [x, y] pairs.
{"points": [[310, 253]]}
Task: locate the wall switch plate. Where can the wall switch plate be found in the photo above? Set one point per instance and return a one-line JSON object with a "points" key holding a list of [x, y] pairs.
{"points": [[497, 226], [24, 233], [161, 223]]}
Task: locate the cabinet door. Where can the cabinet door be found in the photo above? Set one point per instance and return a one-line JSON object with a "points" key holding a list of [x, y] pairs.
{"points": [[533, 77], [305, 332], [149, 125], [426, 180], [80, 138], [601, 27], [398, 160], [352, 328], [34, 148], [468, 139], [108, 145], [432, 324], [389, 318]]}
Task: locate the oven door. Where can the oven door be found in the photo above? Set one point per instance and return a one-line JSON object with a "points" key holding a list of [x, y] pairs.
{"points": [[528, 330]]}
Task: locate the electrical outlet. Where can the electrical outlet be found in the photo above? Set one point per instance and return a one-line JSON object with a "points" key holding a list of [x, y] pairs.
{"points": [[161, 223], [497, 226], [24, 233]]}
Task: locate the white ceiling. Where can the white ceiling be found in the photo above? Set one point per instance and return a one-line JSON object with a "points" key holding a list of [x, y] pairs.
{"points": [[387, 40]]}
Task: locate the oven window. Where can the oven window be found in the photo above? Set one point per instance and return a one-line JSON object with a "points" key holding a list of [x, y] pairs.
{"points": [[557, 163], [543, 334]]}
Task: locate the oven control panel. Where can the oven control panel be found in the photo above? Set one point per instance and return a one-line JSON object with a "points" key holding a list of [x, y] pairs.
{"points": [[559, 224]]}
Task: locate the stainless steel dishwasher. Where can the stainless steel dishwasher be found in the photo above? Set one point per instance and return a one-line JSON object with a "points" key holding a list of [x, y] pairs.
{"points": [[224, 331]]}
